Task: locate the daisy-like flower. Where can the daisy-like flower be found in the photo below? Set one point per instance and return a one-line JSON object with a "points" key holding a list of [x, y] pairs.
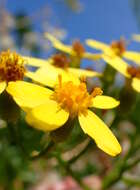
{"points": [[116, 48], [12, 68], [58, 64], [130, 72], [76, 50], [48, 110]]}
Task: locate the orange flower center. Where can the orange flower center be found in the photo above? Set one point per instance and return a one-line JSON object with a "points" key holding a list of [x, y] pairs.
{"points": [[11, 66], [78, 48], [134, 72], [74, 98], [60, 60], [119, 47]]}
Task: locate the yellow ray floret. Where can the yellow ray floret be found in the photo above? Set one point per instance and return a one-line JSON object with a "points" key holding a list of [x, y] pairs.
{"points": [[97, 129], [117, 63], [136, 84], [28, 95], [47, 74]]}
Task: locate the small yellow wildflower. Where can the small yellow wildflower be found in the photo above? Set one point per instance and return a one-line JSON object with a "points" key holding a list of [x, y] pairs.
{"points": [[125, 69], [76, 50], [12, 68], [57, 65], [48, 110], [116, 48]]}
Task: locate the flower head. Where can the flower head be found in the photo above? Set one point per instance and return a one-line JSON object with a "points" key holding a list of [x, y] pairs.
{"points": [[48, 110], [11, 66], [75, 99], [115, 49], [76, 50], [125, 69], [118, 47]]}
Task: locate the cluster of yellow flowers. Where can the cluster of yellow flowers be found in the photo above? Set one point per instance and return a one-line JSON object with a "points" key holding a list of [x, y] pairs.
{"points": [[59, 93]]}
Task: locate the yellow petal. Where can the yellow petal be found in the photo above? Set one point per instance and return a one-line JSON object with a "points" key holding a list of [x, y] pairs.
{"points": [[132, 56], [28, 95], [47, 117], [92, 56], [136, 84], [49, 76], [97, 129], [117, 63], [104, 102], [97, 45], [2, 86], [58, 44], [83, 72], [35, 61]]}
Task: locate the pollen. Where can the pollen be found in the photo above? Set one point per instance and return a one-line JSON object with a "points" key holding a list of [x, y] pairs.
{"points": [[11, 66], [119, 47], [78, 48], [134, 72], [75, 99], [61, 60]]}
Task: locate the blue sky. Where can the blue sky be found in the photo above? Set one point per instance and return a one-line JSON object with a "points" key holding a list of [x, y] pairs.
{"points": [[101, 19]]}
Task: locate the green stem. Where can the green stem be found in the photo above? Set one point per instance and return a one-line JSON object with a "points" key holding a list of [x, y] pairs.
{"points": [[12, 133], [44, 151], [132, 164], [131, 182]]}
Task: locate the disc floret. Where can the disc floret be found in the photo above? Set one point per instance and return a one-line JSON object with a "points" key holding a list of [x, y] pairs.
{"points": [[118, 47], [78, 48], [11, 66], [74, 98]]}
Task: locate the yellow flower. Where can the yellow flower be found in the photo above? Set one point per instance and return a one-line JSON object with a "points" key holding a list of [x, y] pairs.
{"points": [[48, 110], [12, 68], [76, 50], [128, 71], [116, 48], [48, 72]]}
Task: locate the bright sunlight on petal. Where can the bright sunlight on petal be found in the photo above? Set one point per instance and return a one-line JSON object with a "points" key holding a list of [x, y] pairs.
{"points": [[97, 129], [47, 117], [104, 102]]}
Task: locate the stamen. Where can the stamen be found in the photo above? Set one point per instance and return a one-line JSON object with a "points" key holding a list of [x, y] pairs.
{"points": [[78, 48], [97, 91], [119, 47], [134, 72], [61, 60], [74, 98], [11, 66], [60, 80]]}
